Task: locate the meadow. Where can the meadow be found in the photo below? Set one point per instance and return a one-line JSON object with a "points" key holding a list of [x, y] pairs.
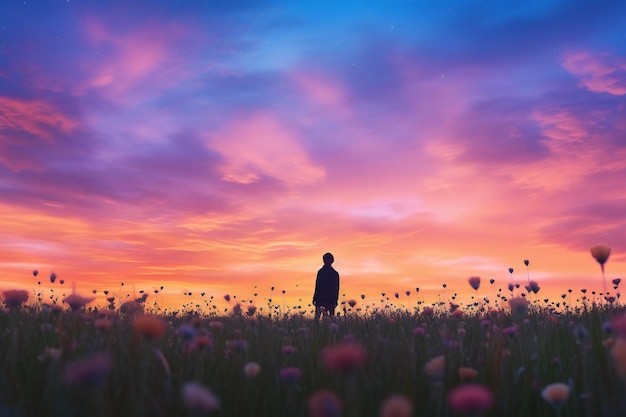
{"points": [[527, 357]]}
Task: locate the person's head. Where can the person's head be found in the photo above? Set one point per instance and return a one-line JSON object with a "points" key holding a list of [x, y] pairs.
{"points": [[328, 258]]}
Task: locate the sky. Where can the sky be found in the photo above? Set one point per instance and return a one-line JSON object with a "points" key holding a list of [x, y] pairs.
{"points": [[224, 146]]}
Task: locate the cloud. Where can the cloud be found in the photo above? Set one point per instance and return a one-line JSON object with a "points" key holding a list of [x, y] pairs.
{"points": [[258, 146], [598, 72]]}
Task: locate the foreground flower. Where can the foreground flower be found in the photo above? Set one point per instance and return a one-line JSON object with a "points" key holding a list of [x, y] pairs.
{"points": [[89, 371], [150, 327], [251, 370], [618, 352], [556, 394], [396, 406], [14, 298], [436, 367], [471, 399], [290, 375], [467, 373], [199, 399], [324, 403], [345, 357]]}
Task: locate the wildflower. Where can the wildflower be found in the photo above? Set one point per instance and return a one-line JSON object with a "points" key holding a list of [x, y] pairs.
{"points": [[617, 325], [288, 349], [290, 374], [396, 406], [251, 310], [102, 324], [467, 373], [519, 306], [151, 327], [618, 352], [345, 357], [203, 341], [616, 281], [227, 297], [324, 403], [77, 302], [471, 399], [14, 298], [131, 308], [419, 331], [88, 371], [601, 253], [556, 394], [352, 303], [474, 282], [436, 367], [526, 262], [251, 370], [428, 311], [216, 325], [458, 313], [237, 310], [53, 277], [534, 287], [510, 331], [199, 399], [49, 355]]}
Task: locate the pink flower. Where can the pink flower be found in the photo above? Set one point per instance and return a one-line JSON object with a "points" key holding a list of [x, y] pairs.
{"points": [[419, 331], [474, 282], [436, 367], [396, 406], [88, 371], [345, 357], [15, 298], [199, 399], [76, 302], [290, 375], [471, 399], [324, 403], [556, 394], [251, 370]]}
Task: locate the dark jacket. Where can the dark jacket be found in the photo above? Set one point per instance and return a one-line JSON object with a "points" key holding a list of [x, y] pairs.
{"points": [[326, 285]]}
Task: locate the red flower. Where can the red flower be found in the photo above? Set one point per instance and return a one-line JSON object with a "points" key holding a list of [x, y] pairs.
{"points": [[344, 358]]}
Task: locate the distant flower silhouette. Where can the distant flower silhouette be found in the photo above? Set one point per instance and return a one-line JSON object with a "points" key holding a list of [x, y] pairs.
{"points": [[601, 253], [534, 287], [35, 272], [396, 406], [227, 297], [556, 394], [471, 399], [352, 303], [474, 282], [14, 298], [199, 399], [616, 281], [324, 403], [77, 302], [519, 306], [53, 277]]}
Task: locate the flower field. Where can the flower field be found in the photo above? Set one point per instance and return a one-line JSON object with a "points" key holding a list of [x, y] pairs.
{"points": [[518, 356], [516, 362]]}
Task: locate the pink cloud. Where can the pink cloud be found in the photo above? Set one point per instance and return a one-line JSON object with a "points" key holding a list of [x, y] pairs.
{"points": [[261, 146], [600, 73], [145, 55]]}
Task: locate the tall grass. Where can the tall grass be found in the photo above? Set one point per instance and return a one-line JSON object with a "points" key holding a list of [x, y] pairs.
{"points": [[516, 357]]}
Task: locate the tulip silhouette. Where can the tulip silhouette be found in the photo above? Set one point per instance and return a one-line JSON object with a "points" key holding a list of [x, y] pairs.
{"points": [[601, 253]]}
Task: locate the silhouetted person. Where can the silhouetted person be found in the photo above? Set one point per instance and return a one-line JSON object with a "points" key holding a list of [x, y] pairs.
{"points": [[326, 288]]}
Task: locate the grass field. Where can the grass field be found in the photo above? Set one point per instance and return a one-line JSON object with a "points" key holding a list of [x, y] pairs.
{"points": [[526, 360]]}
